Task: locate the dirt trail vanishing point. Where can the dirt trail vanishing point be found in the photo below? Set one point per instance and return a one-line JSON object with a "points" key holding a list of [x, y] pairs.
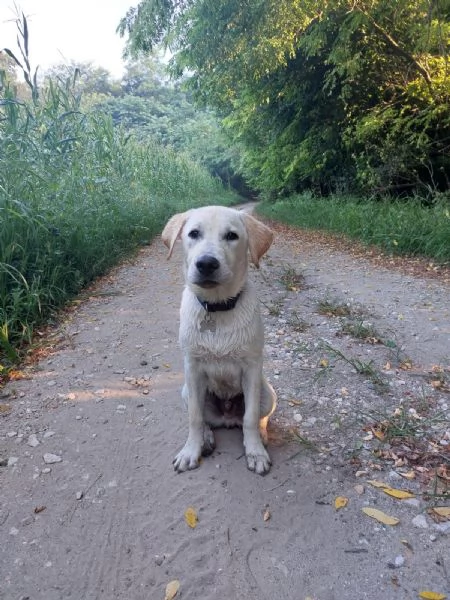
{"points": [[90, 507]]}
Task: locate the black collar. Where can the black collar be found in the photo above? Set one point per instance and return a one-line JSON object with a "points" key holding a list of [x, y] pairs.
{"points": [[219, 306]]}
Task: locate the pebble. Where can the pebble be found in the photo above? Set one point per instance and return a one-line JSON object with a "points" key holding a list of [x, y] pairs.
{"points": [[442, 527], [48, 434], [12, 460], [49, 458], [11, 434], [33, 441], [13, 531], [121, 407], [298, 417], [79, 495], [420, 521], [46, 470]]}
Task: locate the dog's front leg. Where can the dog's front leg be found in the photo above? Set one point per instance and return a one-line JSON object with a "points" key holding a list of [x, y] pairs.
{"points": [[258, 459], [195, 382]]}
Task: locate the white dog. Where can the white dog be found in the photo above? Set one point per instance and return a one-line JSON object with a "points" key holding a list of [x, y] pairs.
{"points": [[221, 331]]}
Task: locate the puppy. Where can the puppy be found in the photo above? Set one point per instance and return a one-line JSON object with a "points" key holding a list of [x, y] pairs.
{"points": [[221, 331]]}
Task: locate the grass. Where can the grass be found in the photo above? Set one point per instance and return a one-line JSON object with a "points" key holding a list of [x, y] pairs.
{"points": [[76, 196], [396, 226], [365, 368]]}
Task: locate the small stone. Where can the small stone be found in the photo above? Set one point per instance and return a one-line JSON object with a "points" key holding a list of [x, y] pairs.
{"points": [[33, 441], [420, 522], [48, 434], [433, 538], [12, 460], [13, 531], [298, 417], [442, 527], [359, 489], [121, 407], [50, 458], [27, 521], [51, 383], [399, 561], [46, 470], [11, 434], [78, 417], [159, 560], [79, 495]]}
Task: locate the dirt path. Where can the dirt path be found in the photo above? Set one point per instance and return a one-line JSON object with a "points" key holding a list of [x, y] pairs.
{"points": [[107, 520]]}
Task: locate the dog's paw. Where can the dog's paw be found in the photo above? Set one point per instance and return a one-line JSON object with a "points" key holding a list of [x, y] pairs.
{"points": [[259, 461], [209, 442], [188, 458]]}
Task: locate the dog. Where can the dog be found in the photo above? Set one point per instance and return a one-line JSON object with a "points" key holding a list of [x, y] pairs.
{"points": [[221, 332]]}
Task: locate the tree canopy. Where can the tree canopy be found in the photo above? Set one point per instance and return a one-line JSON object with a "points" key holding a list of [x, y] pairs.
{"points": [[331, 95]]}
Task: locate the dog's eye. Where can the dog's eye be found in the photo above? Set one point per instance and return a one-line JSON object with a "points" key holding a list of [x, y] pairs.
{"points": [[230, 235], [194, 234]]}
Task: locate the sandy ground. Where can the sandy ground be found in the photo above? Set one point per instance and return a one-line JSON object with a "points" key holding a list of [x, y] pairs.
{"points": [[106, 521]]}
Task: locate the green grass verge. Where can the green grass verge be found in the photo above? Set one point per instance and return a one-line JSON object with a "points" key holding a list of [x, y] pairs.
{"points": [[396, 226], [76, 196]]}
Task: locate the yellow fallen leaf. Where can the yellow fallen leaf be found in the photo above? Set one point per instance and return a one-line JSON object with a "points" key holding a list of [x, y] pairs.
{"points": [[340, 502], [378, 484], [380, 516], [408, 475], [442, 511], [172, 589], [266, 515], [432, 595], [399, 494], [190, 516], [323, 363]]}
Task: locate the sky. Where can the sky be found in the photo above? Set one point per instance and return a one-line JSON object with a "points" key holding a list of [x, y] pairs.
{"points": [[64, 30]]}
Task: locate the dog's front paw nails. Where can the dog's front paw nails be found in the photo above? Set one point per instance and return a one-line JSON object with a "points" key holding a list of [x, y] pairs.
{"points": [[259, 462], [188, 458]]}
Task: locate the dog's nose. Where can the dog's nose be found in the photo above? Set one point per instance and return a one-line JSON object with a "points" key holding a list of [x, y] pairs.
{"points": [[206, 264]]}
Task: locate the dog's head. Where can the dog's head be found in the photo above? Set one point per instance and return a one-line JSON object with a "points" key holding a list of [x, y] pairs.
{"points": [[216, 242]]}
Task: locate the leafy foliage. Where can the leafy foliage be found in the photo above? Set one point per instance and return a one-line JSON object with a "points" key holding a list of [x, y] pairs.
{"points": [[330, 96], [76, 195]]}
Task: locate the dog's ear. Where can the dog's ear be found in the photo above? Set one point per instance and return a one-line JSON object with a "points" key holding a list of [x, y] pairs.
{"points": [[260, 237], [172, 230]]}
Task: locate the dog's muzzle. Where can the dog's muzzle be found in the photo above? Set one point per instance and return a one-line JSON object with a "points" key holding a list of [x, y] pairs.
{"points": [[207, 266]]}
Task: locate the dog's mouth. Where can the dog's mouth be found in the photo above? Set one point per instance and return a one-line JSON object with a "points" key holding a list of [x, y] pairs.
{"points": [[207, 283]]}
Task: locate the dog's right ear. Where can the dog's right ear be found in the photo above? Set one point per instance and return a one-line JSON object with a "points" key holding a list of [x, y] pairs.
{"points": [[172, 230]]}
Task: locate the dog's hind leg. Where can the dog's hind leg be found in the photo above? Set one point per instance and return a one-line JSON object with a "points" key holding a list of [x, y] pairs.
{"points": [[267, 406], [209, 442]]}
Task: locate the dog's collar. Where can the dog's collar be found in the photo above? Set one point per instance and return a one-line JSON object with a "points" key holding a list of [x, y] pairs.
{"points": [[228, 304]]}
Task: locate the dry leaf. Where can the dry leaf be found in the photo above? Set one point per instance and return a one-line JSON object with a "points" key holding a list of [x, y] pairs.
{"points": [[172, 589], [340, 502], [39, 509], [442, 511], [361, 473], [432, 595], [295, 402], [399, 494], [5, 409], [408, 475], [323, 363], [266, 515], [407, 544], [380, 516], [190, 516], [378, 484]]}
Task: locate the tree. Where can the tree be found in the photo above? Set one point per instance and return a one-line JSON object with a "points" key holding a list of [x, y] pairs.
{"points": [[342, 94]]}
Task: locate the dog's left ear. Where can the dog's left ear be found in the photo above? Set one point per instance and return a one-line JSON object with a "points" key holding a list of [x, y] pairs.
{"points": [[260, 237], [172, 230]]}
